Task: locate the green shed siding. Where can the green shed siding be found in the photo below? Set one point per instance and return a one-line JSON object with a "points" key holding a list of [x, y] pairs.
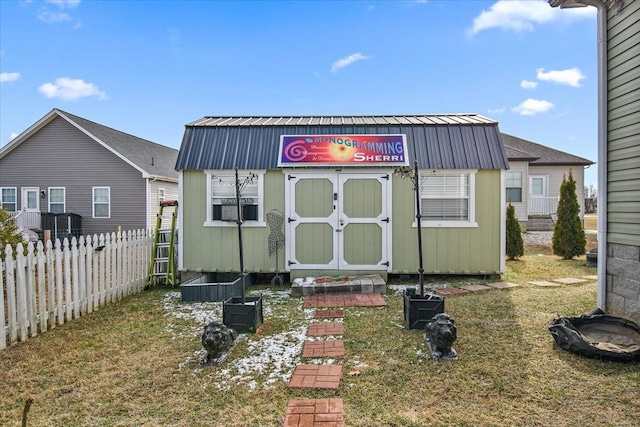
{"points": [[216, 248], [623, 149], [448, 250]]}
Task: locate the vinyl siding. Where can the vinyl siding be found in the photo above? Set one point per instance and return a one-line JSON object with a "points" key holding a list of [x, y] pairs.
{"points": [[60, 155], [555, 175], [623, 179], [521, 207], [170, 193]]}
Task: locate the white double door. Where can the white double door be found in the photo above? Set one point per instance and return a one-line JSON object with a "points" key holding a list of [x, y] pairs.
{"points": [[338, 221]]}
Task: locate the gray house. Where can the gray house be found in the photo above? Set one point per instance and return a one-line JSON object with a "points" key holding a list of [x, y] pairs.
{"points": [[65, 172], [534, 178], [618, 154]]}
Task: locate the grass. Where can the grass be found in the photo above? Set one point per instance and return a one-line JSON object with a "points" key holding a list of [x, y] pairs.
{"points": [[591, 222], [135, 363]]}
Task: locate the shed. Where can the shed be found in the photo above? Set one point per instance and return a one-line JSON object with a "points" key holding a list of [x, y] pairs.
{"points": [[337, 182]]}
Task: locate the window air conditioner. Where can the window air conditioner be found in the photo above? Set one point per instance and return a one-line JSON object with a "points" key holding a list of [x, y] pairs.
{"points": [[229, 213]]}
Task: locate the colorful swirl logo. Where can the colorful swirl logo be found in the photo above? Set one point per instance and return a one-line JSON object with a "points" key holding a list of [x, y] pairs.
{"points": [[295, 151]]}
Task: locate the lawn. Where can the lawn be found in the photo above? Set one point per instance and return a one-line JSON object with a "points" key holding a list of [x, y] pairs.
{"points": [[136, 363]]}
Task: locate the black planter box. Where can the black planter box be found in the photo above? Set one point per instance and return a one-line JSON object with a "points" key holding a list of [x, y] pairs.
{"points": [[245, 317], [592, 258], [419, 311], [205, 288]]}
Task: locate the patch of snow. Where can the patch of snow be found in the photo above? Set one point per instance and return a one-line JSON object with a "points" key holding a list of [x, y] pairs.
{"points": [[265, 361]]}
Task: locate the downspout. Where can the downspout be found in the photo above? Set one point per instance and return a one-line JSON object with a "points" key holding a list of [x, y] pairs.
{"points": [[600, 5], [601, 296]]}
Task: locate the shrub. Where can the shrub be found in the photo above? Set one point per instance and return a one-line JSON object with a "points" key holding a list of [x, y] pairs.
{"points": [[569, 239], [515, 244], [8, 232]]}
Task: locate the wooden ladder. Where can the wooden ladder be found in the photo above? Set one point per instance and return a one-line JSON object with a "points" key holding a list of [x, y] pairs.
{"points": [[163, 254]]}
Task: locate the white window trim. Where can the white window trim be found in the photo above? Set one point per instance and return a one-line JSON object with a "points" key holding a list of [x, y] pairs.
{"points": [[93, 203], [209, 208], [163, 197], [471, 223], [15, 197], [64, 198], [521, 187]]}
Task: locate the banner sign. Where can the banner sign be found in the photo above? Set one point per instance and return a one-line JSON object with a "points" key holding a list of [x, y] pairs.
{"points": [[343, 150]]}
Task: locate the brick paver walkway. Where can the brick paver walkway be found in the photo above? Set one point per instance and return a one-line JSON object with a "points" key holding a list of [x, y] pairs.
{"points": [[502, 285], [344, 300], [544, 283], [314, 413], [569, 280], [328, 314], [449, 291], [328, 348], [316, 376], [476, 288], [324, 329]]}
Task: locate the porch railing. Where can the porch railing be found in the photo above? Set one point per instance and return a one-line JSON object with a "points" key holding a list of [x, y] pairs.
{"points": [[28, 219], [543, 205]]}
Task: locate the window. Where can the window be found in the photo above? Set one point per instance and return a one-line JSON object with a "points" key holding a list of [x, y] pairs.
{"points": [[57, 200], [160, 195], [8, 199], [513, 183], [447, 198], [101, 202], [221, 195]]}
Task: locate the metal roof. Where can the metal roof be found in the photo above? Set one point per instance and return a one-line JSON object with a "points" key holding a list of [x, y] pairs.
{"points": [[539, 155], [443, 141]]}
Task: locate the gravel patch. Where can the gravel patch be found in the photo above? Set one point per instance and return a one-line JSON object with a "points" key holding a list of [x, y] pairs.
{"points": [[537, 238]]}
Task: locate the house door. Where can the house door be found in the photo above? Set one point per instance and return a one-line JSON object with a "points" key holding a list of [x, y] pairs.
{"points": [[31, 199], [538, 200], [338, 221]]}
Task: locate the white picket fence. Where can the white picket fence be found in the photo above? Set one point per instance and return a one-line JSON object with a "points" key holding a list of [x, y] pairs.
{"points": [[55, 283]]}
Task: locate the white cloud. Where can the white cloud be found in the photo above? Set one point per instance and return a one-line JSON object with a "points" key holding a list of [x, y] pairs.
{"points": [[9, 77], [531, 107], [13, 135], [528, 84], [341, 63], [71, 89], [65, 3], [570, 77], [518, 16], [53, 17], [60, 16], [496, 110]]}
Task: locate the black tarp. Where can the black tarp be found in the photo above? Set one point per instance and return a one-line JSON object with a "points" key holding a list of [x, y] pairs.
{"points": [[598, 336]]}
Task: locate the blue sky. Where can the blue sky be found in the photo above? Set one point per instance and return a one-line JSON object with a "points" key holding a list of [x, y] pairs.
{"points": [[150, 67]]}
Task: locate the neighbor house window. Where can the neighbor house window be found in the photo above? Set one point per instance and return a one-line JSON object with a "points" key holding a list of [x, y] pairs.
{"points": [[101, 202], [8, 199], [447, 198], [513, 183], [221, 195], [160, 195], [57, 203]]}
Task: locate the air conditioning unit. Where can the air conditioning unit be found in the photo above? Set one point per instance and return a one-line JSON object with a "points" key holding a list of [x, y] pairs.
{"points": [[229, 213]]}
